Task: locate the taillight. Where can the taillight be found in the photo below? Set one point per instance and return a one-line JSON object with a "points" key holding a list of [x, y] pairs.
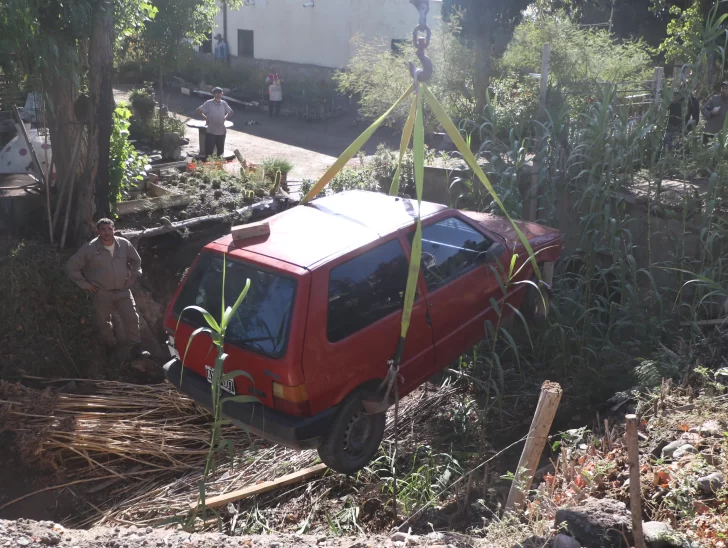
{"points": [[291, 400]]}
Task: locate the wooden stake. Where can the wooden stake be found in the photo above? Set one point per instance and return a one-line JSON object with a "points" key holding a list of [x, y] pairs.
{"points": [[659, 75], [544, 75], [635, 485], [289, 479], [65, 184], [548, 403]]}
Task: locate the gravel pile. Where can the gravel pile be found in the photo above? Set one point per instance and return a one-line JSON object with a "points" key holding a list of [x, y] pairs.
{"points": [[33, 534]]}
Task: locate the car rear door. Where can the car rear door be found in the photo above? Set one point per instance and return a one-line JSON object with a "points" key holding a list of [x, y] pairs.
{"points": [[459, 283]]}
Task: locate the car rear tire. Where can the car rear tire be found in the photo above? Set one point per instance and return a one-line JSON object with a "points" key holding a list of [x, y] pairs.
{"points": [[353, 438]]}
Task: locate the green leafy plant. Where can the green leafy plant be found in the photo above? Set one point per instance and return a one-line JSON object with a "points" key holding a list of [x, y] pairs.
{"points": [[148, 128], [216, 331], [577, 52], [277, 165], [126, 165], [376, 77]]}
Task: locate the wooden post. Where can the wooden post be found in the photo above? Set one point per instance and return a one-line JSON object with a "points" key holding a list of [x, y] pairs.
{"points": [[544, 75], [635, 485], [659, 76], [548, 403]]}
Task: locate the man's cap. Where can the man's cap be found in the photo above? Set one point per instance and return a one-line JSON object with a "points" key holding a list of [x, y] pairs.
{"points": [[216, 90], [218, 36]]}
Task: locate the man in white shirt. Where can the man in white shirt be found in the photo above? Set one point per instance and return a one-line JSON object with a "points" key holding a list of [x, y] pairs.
{"points": [[215, 111]]}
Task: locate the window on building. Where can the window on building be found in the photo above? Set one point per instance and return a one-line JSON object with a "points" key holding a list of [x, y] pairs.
{"points": [[366, 289], [397, 45], [206, 46], [245, 43], [449, 249]]}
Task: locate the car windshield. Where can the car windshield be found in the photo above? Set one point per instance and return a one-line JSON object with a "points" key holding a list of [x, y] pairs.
{"points": [[263, 320]]}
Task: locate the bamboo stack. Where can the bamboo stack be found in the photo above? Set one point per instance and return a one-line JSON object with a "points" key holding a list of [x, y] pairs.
{"points": [[152, 441]]}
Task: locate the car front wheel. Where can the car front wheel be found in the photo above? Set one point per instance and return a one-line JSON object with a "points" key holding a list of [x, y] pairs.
{"points": [[353, 438], [536, 303]]}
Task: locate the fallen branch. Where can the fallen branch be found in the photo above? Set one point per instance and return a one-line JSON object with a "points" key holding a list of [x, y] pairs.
{"points": [[264, 207], [135, 235], [246, 492]]}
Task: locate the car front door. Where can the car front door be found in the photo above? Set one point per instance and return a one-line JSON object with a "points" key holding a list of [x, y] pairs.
{"points": [[356, 303], [460, 285]]}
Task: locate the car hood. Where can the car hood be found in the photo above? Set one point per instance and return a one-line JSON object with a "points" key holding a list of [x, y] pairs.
{"points": [[538, 236]]}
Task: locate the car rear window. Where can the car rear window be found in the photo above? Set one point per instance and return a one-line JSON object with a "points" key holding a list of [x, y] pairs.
{"points": [[262, 322]]}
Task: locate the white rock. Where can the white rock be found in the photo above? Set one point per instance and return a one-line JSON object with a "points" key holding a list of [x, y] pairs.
{"points": [[680, 452], [711, 483], [660, 535], [711, 428], [669, 450]]}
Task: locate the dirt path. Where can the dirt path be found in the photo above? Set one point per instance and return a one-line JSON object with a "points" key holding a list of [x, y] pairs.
{"points": [[310, 146], [26, 533]]}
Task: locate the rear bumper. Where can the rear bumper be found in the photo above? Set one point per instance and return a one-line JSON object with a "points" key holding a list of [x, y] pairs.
{"points": [[294, 432]]}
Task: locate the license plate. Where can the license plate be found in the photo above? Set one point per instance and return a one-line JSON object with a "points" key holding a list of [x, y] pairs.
{"points": [[228, 386]]}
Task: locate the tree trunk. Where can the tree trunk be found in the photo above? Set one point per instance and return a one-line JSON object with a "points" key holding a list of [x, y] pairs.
{"points": [[101, 70], [61, 95], [483, 55]]}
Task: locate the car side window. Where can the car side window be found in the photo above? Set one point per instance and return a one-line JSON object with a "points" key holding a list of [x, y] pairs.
{"points": [[450, 248], [366, 289]]}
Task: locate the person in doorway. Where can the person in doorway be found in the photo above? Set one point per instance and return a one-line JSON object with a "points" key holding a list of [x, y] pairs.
{"points": [[275, 92], [215, 111], [221, 49], [715, 110], [107, 267]]}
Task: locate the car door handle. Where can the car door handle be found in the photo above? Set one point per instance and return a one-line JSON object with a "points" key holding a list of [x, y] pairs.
{"points": [[428, 319]]}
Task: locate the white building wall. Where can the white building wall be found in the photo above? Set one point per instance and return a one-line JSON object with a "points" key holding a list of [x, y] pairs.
{"points": [[286, 31]]}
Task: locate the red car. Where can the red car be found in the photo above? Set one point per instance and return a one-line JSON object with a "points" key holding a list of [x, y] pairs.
{"points": [[322, 317]]}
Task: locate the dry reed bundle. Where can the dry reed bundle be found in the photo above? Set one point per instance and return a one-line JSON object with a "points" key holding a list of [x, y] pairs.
{"points": [[109, 429], [149, 501], [152, 442]]}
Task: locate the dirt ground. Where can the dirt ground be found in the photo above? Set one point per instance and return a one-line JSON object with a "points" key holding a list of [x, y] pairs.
{"points": [[46, 533], [310, 146]]}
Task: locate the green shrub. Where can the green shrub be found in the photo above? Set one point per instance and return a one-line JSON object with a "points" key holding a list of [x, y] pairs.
{"points": [[147, 129], [275, 165], [126, 165]]}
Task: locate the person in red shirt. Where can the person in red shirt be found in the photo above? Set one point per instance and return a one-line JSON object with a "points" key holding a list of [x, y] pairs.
{"points": [[275, 92]]}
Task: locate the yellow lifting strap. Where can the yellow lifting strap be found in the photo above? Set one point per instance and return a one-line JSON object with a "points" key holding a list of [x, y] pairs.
{"points": [[415, 127]]}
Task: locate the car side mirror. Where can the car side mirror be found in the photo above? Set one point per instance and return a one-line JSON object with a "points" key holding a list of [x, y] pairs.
{"points": [[491, 254]]}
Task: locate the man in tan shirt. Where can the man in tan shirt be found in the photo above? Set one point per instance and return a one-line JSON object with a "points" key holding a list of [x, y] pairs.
{"points": [[107, 267]]}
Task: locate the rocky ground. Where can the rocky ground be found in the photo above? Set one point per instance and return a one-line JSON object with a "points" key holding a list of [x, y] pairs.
{"points": [[26, 533]]}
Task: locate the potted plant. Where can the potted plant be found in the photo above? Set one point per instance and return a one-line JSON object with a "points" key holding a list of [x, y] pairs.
{"points": [[142, 103], [276, 170]]}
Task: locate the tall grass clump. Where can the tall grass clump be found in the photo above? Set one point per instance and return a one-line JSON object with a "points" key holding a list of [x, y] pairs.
{"points": [[644, 228]]}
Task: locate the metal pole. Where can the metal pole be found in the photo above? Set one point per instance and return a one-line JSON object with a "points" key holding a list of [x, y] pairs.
{"points": [[544, 75], [611, 17]]}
